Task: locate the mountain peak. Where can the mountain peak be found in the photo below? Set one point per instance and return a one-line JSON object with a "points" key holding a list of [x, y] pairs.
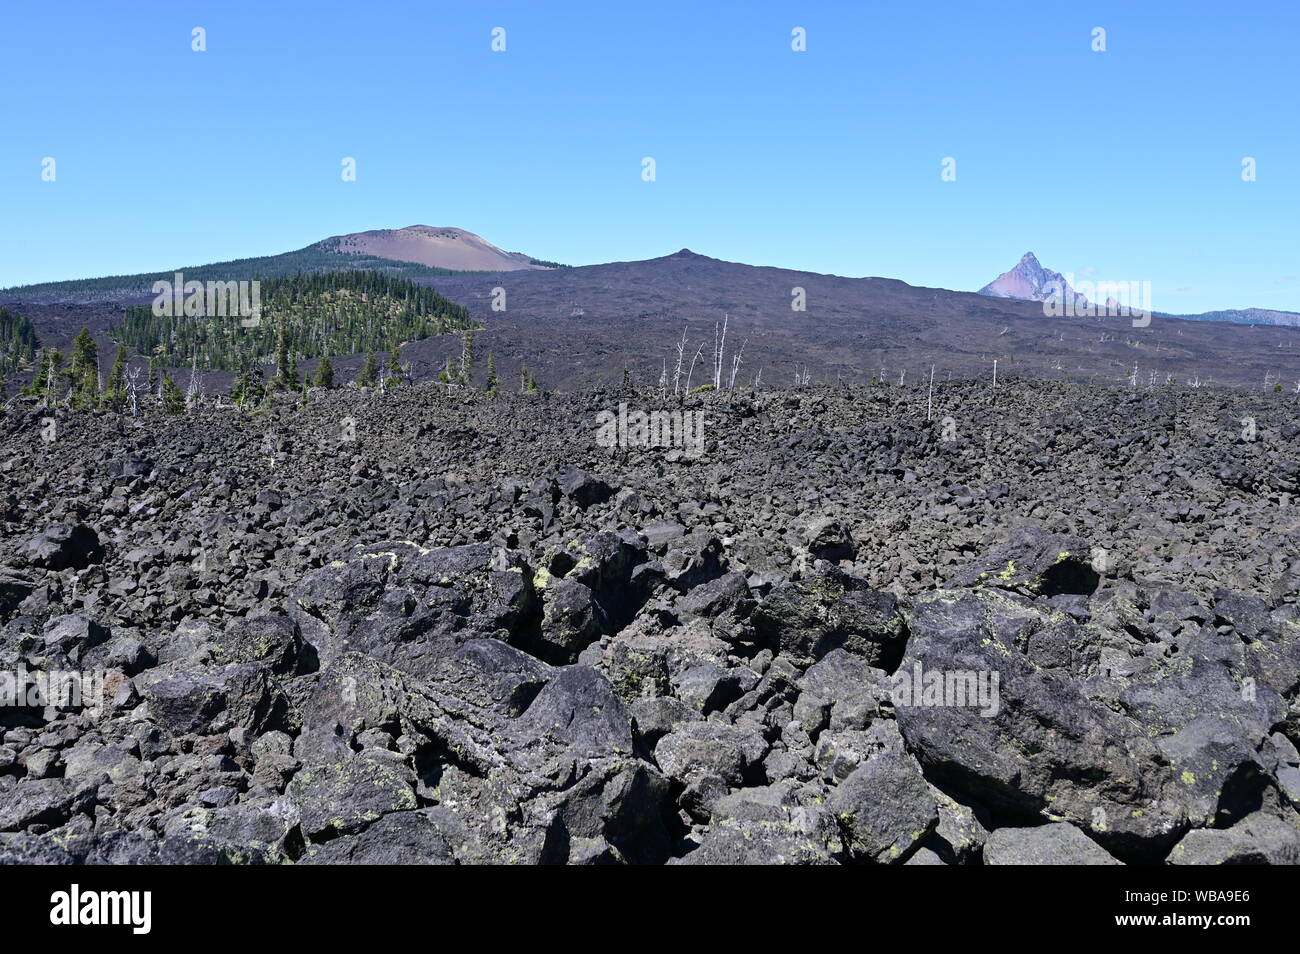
{"points": [[437, 246], [686, 255], [1028, 280]]}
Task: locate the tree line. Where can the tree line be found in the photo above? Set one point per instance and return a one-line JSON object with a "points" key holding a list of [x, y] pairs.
{"points": [[18, 344], [308, 314], [77, 379]]}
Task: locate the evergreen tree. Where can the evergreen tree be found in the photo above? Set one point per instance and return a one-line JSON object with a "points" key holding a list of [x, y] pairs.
{"points": [[286, 367], [37, 385], [491, 386], [45, 384], [248, 389], [153, 374], [173, 401], [366, 376], [83, 373], [239, 393], [325, 373], [532, 383], [395, 366], [256, 386], [18, 341], [115, 393]]}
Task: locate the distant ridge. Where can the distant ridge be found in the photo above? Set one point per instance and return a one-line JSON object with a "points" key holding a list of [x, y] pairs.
{"points": [[433, 251]]}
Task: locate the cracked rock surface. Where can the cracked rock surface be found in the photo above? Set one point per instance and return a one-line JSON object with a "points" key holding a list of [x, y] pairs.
{"points": [[1062, 629]]}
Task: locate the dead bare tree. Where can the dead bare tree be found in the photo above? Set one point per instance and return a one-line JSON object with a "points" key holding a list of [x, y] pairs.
{"points": [[719, 348], [194, 390], [681, 351], [929, 400], [735, 365], [699, 353], [133, 388]]}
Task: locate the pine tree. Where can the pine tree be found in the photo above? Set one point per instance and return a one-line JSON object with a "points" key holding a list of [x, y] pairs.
{"points": [[286, 367], [154, 370], [532, 383], [248, 389], [491, 387], [18, 342], [239, 393], [173, 400], [366, 376], [325, 373], [37, 385], [115, 393], [83, 373], [47, 375], [256, 386], [395, 366]]}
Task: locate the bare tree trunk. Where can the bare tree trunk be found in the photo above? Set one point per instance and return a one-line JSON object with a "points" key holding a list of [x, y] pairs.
{"points": [[719, 349], [735, 365], [698, 354], [677, 374]]}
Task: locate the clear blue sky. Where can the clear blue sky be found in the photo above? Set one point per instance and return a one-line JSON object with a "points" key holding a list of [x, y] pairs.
{"points": [[1127, 161]]}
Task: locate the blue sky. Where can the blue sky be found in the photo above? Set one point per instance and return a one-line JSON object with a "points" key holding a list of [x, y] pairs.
{"points": [[1126, 162]]}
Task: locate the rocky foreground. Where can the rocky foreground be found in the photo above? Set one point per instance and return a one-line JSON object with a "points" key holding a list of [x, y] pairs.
{"points": [[1051, 625]]}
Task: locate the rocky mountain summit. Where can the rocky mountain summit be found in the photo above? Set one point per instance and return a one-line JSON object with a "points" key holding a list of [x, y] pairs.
{"points": [[1047, 624], [1029, 281]]}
